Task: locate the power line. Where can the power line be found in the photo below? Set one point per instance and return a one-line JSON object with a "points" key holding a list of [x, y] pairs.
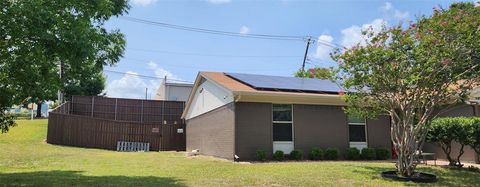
{"points": [[145, 76], [215, 55], [183, 67], [227, 33], [210, 31]]}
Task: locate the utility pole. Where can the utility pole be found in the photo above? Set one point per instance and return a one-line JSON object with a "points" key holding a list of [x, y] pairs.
{"points": [[146, 91], [60, 91], [309, 41]]}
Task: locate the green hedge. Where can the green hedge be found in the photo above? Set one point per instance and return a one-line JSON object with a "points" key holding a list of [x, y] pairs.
{"points": [[382, 154], [331, 154], [369, 154], [278, 155], [352, 154], [316, 154], [261, 155], [296, 154]]}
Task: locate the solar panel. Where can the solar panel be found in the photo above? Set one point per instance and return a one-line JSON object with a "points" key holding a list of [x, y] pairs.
{"points": [[295, 84]]}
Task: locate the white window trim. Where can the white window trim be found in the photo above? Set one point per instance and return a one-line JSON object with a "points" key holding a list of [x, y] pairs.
{"points": [[366, 135], [291, 122]]}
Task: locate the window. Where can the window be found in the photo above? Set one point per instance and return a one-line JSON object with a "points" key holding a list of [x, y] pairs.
{"points": [[282, 122], [356, 129]]}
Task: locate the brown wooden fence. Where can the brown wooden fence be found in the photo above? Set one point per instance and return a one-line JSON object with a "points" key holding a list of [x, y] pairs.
{"points": [[100, 122]]}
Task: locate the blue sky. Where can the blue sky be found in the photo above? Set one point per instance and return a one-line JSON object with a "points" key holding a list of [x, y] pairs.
{"points": [[177, 54]]}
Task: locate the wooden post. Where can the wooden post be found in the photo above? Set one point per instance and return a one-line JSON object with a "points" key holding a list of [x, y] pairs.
{"points": [[116, 105], [141, 117], [93, 101]]}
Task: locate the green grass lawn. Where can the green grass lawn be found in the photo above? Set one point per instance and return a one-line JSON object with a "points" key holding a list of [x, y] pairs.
{"points": [[26, 160]]}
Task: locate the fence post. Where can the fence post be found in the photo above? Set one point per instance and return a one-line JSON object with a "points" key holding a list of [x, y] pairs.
{"points": [[141, 117], [93, 101], [116, 103]]}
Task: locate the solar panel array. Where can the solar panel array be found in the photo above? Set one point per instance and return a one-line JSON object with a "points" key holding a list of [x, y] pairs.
{"points": [[294, 84]]}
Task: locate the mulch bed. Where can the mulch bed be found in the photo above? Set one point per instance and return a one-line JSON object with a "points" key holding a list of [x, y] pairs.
{"points": [[418, 177]]}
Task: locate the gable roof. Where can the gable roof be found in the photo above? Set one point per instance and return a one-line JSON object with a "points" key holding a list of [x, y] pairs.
{"points": [[245, 93]]}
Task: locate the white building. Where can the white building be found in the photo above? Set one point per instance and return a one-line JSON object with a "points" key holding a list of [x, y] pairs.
{"points": [[173, 91]]}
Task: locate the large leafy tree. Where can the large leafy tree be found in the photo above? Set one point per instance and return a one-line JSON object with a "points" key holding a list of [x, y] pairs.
{"points": [[409, 71], [78, 84], [39, 36]]}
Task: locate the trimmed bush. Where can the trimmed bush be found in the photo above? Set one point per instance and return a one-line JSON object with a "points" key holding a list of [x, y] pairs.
{"points": [[316, 154], [447, 130], [353, 154], [261, 155], [382, 154], [278, 155], [296, 154], [369, 154], [331, 154]]}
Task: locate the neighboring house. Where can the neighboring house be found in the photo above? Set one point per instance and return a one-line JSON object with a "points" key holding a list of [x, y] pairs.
{"points": [[173, 91], [21, 109], [238, 114]]}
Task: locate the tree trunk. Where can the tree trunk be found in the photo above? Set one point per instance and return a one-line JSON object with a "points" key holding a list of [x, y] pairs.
{"points": [[460, 155], [406, 141], [39, 110]]}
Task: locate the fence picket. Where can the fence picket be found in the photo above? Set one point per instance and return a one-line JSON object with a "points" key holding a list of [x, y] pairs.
{"points": [[90, 122]]}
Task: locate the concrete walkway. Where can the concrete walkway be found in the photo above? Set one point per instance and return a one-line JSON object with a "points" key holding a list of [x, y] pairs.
{"points": [[445, 163]]}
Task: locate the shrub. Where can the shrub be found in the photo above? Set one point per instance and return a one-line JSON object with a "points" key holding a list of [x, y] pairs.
{"points": [[382, 154], [316, 154], [261, 155], [474, 136], [352, 154], [296, 154], [331, 154], [278, 155], [368, 154], [445, 131]]}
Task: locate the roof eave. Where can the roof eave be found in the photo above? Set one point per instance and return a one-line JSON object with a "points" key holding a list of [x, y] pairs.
{"points": [[283, 97]]}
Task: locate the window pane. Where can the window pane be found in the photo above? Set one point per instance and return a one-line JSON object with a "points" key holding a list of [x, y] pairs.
{"points": [[357, 133], [355, 119], [282, 132], [282, 112]]}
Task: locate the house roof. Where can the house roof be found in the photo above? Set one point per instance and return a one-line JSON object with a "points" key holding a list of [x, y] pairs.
{"points": [[245, 93], [237, 86]]}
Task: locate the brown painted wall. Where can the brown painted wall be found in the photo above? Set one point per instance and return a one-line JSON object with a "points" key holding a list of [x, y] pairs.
{"points": [[469, 155], [378, 132], [314, 126], [213, 132], [319, 126], [253, 129]]}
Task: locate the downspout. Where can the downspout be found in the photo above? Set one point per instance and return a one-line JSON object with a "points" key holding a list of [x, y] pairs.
{"points": [[235, 100]]}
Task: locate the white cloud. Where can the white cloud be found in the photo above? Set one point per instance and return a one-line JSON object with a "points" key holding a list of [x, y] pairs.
{"points": [[393, 12], [353, 35], [143, 2], [219, 1], [160, 72], [401, 15], [323, 51], [244, 30], [388, 6], [130, 85]]}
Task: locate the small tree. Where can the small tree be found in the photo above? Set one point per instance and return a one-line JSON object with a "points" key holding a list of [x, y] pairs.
{"points": [[474, 136], [408, 72], [446, 131]]}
